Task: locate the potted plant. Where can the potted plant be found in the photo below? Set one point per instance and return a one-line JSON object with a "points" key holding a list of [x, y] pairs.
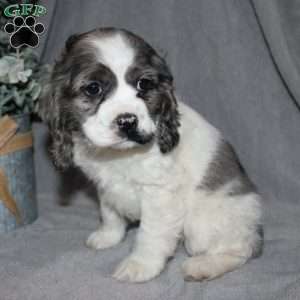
{"points": [[21, 79]]}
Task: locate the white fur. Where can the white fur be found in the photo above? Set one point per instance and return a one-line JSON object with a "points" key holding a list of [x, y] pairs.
{"points": [[100, 128], [162, 190]]}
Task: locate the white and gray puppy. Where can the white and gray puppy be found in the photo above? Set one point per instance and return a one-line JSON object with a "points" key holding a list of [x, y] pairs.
{"points": [[112, 112]]}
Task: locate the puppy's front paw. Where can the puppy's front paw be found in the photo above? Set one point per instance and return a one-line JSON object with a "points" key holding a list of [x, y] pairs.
{"points": [[102, 239], [137, 270]]}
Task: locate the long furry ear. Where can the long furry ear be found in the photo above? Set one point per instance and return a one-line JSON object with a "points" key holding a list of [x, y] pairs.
{"points": [[61, 145], [168, 123], [55, 115]]}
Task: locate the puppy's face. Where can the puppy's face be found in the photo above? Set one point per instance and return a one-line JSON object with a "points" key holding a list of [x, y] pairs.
{"points": [[113, 90]]}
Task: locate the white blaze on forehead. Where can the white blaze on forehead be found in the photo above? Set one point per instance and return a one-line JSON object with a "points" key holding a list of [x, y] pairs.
{"points": [[115, 53], [118, 55]]}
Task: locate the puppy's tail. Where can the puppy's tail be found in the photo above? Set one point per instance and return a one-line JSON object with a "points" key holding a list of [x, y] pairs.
{"points": [[208, 267]]}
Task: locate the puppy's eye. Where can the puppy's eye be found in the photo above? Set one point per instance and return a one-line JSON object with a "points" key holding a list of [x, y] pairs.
{"points": [[93, 89], [145, 84]]}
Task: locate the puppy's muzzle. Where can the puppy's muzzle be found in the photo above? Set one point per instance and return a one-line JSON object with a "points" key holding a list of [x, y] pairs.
{"points": [[128, 126]]}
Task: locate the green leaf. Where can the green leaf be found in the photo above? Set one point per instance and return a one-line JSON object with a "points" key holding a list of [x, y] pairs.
{"points": [[18, 97], [36, 91], [4, 67], [6, 99], [21, 79]]}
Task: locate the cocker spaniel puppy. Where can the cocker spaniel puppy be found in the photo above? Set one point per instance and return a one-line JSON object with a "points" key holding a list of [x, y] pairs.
{"points": [[111, 111]]}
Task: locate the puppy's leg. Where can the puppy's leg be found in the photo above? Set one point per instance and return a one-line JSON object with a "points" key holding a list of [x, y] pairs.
{"points": [[111, 231], [160, 228], [208, 267], [221, 235], [221, 259]]}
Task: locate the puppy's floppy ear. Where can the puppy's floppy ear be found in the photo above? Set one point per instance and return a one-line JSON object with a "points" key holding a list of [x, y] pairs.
{"points": [[61, 147], [168, 123], [168, 120], [54, 112]]}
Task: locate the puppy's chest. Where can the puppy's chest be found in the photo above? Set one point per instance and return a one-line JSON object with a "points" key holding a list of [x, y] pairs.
{"points": [[136, 172], [125, 181]]}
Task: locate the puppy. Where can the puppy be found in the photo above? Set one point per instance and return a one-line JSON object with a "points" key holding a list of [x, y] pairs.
{"points": [[111, 111]]}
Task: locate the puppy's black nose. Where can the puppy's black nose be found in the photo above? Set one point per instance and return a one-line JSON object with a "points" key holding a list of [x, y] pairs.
{"points": [[127, 122]]}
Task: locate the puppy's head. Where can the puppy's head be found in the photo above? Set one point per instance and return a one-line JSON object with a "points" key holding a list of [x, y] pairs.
{"points": [[113, 90]]}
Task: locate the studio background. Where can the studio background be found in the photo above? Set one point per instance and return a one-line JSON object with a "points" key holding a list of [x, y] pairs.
{"points": [[235, 62]]}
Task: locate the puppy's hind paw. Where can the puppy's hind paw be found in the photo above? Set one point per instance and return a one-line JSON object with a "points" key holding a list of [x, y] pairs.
{"points": [[208, 267], [136, 270], [193, 272]]}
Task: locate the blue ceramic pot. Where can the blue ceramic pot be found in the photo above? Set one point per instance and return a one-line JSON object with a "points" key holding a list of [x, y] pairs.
{"points": [[18, 168]]}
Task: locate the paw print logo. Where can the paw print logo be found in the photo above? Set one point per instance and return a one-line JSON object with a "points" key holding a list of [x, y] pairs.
{"points": [[24, 32]]}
